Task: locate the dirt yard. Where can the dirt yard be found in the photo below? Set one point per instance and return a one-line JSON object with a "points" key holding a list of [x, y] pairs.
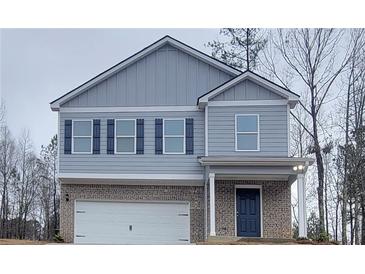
{"points": [[21, 242], [262, 241]]}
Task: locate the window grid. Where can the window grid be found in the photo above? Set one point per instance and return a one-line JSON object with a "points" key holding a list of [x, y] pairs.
{"points": [[247, 132], [176, 136], [82, 136], [125, 136]]}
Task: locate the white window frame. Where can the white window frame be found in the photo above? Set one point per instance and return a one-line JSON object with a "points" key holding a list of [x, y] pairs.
{"points": [[236, 132], [163, 135], [120, 136], [91, 136]]}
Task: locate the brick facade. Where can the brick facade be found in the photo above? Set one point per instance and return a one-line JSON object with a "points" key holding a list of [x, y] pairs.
{"points": [[276, 205], [275, 194], [193, 194]]}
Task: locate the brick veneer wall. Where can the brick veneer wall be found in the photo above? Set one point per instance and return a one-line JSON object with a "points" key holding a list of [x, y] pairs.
{"points": [[276, 208], [193, 194]]}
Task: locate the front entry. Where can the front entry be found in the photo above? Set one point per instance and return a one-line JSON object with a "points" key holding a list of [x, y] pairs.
{"points": [[248, 212]]}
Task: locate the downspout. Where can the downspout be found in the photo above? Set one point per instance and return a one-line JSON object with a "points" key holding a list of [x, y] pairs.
{"points": [[206, 174]]}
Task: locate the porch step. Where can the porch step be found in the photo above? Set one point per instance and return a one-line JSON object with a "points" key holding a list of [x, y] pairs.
{"points": [[230, 239]]}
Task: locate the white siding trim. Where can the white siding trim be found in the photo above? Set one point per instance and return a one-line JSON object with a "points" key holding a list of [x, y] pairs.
{"points": [[131, 176], [206, 129], [129, 109], [261, 209], [248, 103], [288, 128]]}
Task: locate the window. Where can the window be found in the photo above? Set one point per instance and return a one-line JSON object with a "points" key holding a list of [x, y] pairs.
{"points": [[82, 136], [125, 136], [247, 132], [174, 136]]}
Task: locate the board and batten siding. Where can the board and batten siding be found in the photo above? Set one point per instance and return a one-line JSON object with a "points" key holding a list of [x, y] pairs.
{"points": [[273, 130], [167, 76], [147, 163], [247, 90]]}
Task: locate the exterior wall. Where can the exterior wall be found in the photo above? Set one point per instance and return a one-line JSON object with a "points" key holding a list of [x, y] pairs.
{"points": [[247, 90], [146, 163], [276, 208], [193, 194], [273, 130], [167, 76]]}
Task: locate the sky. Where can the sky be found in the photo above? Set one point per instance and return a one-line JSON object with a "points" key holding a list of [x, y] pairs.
{"points": [[39, 65]]}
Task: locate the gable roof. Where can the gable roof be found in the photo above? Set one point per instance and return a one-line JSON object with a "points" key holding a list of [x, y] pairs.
{"points": [[250, 75], [137, 56]]}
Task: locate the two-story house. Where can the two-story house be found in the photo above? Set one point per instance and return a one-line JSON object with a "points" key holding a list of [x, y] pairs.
{"points": [[171, 146]]}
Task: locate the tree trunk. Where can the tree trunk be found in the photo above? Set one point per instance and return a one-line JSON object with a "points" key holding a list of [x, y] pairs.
{"points": [[356, 222], [351, 223], [363, 220], [320, 169]]}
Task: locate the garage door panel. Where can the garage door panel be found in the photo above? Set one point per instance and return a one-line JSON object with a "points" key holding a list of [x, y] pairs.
{"points": [[132, 223]]}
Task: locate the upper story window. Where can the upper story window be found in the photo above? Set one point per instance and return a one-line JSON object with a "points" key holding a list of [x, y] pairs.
{"points": [[125, 136], [82, 136], [174, 136], [247, 132]]}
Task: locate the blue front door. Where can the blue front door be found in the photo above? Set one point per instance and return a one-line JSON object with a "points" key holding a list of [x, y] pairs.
{"points": [[248, 212]]}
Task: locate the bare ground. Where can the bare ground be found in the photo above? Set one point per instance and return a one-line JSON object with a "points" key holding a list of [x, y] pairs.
{"points": [[255, 241], [21, 242]]}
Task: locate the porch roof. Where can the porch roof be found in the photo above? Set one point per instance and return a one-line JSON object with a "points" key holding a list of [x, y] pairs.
{"points": [[254, 161], [256, 168]]}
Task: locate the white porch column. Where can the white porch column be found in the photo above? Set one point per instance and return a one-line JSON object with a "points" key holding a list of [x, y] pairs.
{"points": [[302, 216], [212, 204]]}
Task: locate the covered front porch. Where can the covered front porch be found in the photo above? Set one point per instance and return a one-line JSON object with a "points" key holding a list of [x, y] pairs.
{"points": [[251, 196]]}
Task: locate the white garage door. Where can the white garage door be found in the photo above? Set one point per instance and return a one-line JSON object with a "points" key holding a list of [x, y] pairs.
{"points": [[132, 223]]}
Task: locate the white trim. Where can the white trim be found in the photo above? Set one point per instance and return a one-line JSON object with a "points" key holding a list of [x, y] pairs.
{"points": [[248, 103], [212, 231], [176, 136], [288, 128], [157, 176], [302, 218], [56, 104], [261, 209], [206, 129], [91, 136], [129, 109], [59, 143], [249, 75], [247, 132], [121, 136]]}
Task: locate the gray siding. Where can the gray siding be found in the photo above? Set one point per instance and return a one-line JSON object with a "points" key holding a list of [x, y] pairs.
{"points": [[273, 130], [167, 76], [131, 164], [247, 90]]}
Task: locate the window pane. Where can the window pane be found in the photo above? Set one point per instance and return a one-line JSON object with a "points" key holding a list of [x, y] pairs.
{"points": [[82, 128], [247, 123], [82, 144], [247, 141], [125, 127], [125, 144], [174, 127], [174, 144]]}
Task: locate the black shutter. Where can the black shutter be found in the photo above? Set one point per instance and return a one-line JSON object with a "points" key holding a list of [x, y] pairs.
{"points": [[189, 136], [140, 136], [68, 137], [96, 136], [110, 136], [158, 136]]}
